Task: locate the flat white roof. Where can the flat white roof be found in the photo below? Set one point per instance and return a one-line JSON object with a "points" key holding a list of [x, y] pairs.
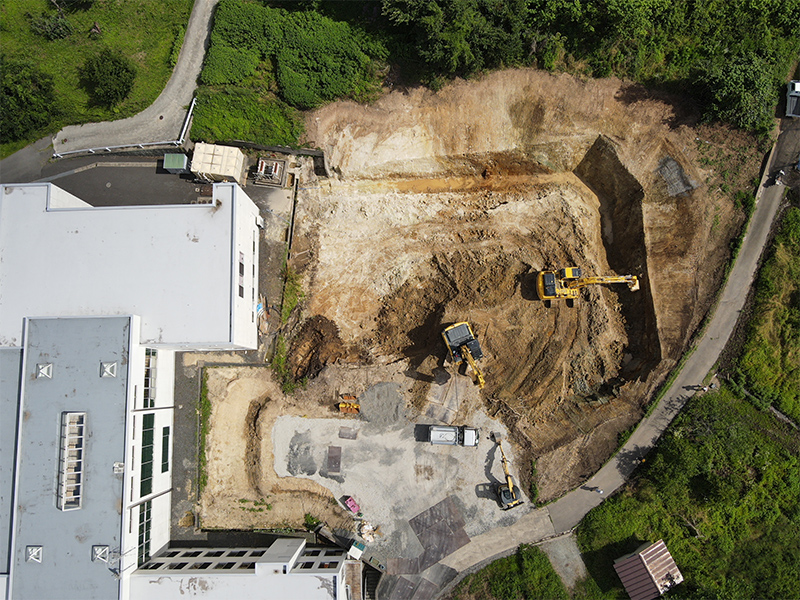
{"points": [[173, 264]]}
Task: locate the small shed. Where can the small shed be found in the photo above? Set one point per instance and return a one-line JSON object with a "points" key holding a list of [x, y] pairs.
{"points": [[648, 572], [218, 163], [176, 163]]}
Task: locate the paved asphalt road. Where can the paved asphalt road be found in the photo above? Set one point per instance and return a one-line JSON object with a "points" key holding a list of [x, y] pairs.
{"points": [[162, 120]]}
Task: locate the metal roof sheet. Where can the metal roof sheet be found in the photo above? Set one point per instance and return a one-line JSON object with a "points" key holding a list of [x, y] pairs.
{"points": [[649, 572]]}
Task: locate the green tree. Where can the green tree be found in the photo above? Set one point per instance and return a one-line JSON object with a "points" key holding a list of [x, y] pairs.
{"points": [[459, 37], [108, 77], [27, 101], [742, 91]]}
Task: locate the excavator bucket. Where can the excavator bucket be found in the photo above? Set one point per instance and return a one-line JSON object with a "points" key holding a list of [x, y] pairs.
{"points": [[634, 285]]}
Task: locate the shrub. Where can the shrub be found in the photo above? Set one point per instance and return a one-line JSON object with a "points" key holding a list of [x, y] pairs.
{"points": [[242, 114], [51, 27], [176, 46], [316, 58], [311, 521], [27, 101], [228, 65], [108, 77], [742, 91]]}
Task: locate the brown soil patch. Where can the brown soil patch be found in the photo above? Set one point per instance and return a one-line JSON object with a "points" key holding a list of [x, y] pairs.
{"points": [[443, 209], [316, 344], [446, 205], [243, 490]]}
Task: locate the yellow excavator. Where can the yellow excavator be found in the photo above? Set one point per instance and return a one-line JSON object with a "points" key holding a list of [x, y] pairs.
{"points": [[567, 283], [508, 492], [464, 346]]}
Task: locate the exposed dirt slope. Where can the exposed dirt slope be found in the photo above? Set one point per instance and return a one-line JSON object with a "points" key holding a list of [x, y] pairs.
{"points": [[446, 205]]}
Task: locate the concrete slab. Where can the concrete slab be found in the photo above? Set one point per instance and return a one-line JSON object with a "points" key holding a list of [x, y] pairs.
{"points": [[566, 559], [397, 479], [334, 459]]}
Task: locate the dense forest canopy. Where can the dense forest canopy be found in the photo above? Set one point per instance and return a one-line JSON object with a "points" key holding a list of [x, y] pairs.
{"points": [[731, 56]]}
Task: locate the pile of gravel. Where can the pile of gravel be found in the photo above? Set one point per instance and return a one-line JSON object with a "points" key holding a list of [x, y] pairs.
{"points": [[383, 405]]}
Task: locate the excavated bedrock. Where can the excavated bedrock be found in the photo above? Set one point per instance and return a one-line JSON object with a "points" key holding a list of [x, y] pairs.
{"points": [[446, 206]]}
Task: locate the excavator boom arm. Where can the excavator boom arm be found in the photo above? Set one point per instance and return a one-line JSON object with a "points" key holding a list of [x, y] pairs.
{"points": [[631, 280], [509, 479], [474, 366]]}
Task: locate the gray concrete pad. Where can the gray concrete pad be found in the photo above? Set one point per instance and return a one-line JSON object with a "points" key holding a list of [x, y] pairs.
{"points": [[566, 559], [396, 479]]}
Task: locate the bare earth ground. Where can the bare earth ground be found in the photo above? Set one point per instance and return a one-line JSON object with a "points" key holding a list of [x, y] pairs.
{"points": [[443, 207]]}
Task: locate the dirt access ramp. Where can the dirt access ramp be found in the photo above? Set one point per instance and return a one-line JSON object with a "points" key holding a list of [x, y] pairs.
{"points": [[443, 208]]}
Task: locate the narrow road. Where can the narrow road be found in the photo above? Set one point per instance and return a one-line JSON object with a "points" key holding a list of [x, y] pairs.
{"points": [[162, 120], [564, 514]]}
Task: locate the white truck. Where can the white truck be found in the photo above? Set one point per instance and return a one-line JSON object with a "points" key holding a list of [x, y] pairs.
{"points": [[793, 99], [448, 435]]}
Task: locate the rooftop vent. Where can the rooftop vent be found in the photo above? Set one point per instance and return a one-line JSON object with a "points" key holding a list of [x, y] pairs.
{"points": [[33, 554], [44, 370], [70, 473], [100, 553], [108, 369]]}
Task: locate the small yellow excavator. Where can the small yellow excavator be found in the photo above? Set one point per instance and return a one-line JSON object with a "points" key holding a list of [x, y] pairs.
{"points": [[464, 346], [567, 283], [507, 493]]}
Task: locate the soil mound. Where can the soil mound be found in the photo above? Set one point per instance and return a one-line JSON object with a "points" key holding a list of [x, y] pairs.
{"points": [[315, 345]]}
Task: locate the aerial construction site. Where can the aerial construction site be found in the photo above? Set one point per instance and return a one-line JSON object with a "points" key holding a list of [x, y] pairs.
{"points": [[464, 207]]}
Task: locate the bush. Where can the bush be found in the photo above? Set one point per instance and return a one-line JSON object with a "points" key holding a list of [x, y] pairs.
{"points": [[27, 101], [52, 27], [227, 65], [742, 92], [108, 77], [770, 359], [526, 575], [316, 59], [721, 489], [241, 114], [176, 46]]}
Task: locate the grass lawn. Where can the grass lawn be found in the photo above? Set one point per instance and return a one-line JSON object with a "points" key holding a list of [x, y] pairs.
{"points": [[722, 490], [144, 30], [526, 575], [770, 361]]}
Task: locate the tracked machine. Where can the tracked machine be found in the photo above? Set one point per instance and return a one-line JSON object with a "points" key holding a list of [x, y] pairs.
{"points": [[507, 493], [567, 283], [464, 347]]}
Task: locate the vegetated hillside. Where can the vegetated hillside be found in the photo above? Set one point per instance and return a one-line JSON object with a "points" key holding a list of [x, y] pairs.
{"points": [[769, 366], [723, 491], [729, 56], [264, 61], [54, 45]]}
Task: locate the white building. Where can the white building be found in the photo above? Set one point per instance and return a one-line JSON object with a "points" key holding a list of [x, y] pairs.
{"points": [[190, 271], [93, 304]]}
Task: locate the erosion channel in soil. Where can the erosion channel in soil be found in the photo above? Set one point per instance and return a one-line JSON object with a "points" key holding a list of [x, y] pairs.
{"points": [[444, 207]]}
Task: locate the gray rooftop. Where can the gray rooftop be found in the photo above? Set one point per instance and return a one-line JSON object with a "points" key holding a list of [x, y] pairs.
{"points": [[75, 349]]}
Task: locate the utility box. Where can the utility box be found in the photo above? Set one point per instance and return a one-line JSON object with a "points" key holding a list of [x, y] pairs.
{"points": [[218, 163], [177, 164], [448, 435]]}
